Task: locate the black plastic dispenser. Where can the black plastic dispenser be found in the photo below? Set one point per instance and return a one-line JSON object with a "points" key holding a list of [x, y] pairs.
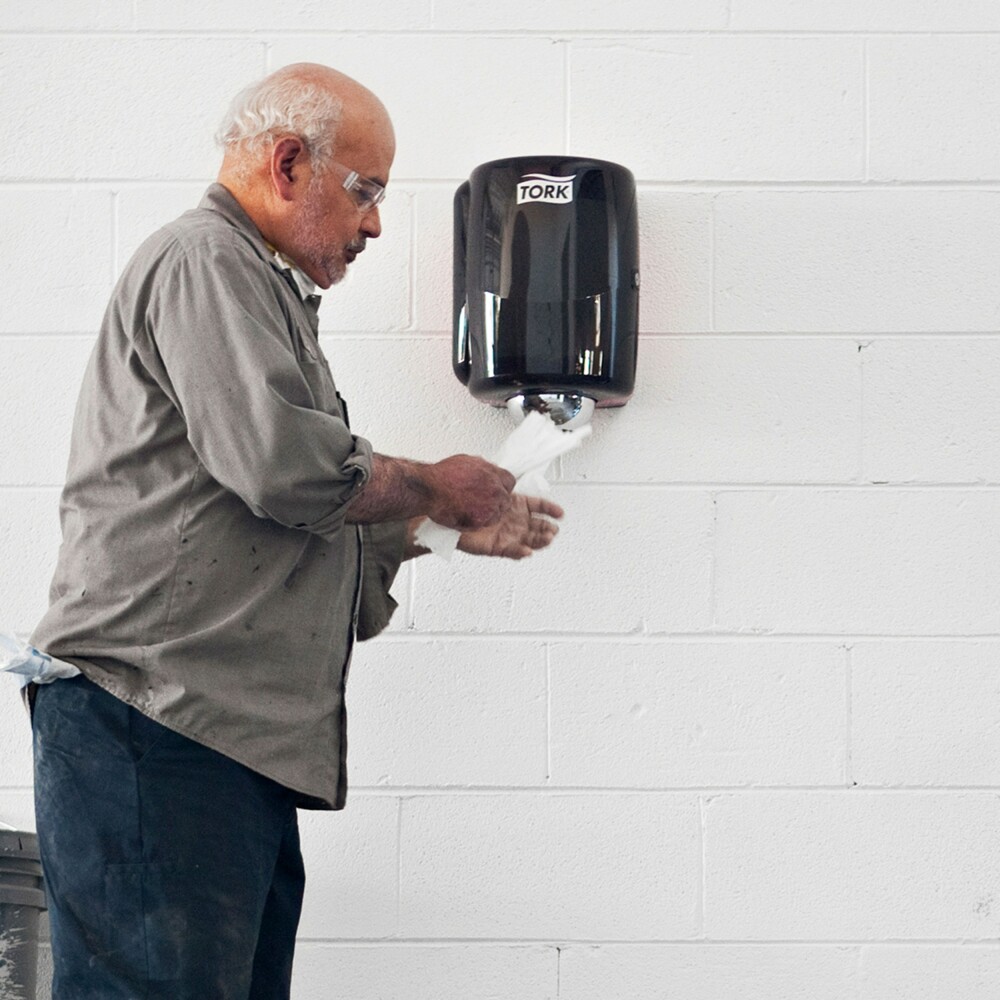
{"points": [[546, 287]]}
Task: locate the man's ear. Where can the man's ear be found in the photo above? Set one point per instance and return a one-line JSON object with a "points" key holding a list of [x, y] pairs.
{"points": [[287, 162]]}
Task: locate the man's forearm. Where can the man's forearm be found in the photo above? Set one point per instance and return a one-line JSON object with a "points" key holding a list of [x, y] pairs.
{"points": [[459, 492], [396, 490]]}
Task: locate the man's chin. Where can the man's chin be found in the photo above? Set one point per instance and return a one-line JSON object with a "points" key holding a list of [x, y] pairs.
{"points": [[335, 274], [328, 280]]}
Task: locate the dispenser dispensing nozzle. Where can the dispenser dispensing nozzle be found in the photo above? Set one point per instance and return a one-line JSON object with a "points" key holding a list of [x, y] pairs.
{"points": [[567, 409]]}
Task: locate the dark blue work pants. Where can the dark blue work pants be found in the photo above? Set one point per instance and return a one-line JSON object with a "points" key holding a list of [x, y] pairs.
{"points": [[171, 870]]}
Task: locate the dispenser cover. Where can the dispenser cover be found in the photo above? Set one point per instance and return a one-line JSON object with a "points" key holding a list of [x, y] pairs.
{"points": [[546, 283]]}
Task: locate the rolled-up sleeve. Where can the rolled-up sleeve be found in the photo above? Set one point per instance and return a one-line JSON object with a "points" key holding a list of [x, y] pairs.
{"points": [[231, 365]]}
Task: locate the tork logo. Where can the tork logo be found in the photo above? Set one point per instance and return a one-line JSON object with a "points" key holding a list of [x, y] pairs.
{"points": [[543, 187]]}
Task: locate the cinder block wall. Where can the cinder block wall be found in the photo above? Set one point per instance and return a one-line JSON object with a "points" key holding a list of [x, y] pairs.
{"points": [[737, 735]]}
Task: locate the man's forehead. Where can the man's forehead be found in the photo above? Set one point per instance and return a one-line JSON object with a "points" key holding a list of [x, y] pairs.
{"points": [[368, 147]]}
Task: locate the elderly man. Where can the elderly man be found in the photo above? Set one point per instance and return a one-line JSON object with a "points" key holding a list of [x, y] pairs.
{"points": [[225, 537]]}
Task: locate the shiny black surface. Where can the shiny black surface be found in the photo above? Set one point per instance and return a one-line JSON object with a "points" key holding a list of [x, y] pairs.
{"points": [[546, 292]]}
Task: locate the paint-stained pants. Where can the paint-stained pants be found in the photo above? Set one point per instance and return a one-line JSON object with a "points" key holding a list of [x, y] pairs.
{"points": [[171, 870]]}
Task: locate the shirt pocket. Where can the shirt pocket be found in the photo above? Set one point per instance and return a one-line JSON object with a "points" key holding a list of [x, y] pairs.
{"points": [[324, 392], [316, 372]]}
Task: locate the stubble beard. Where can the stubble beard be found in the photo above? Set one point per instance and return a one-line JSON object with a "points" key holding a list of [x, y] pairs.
{"points": [[309, 235]]}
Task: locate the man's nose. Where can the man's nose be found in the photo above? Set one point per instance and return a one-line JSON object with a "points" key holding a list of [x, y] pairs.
{"points": [[371, 224]]}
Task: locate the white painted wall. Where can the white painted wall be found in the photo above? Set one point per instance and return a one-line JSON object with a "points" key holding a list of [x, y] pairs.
{"points": [[737, 735]]}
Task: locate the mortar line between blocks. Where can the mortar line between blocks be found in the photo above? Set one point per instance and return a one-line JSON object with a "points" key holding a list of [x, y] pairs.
{"points": [[677, 638], [411, 319], [548, 714], [446, 942], [700, 918], [567, 94], [866, 109], [849, 728], [884, 487], [713, 560], [836, 790], [29, 488], [598, 36], [711, 262], [861, 410], [399, 863], [115, 249], [411, 597]]}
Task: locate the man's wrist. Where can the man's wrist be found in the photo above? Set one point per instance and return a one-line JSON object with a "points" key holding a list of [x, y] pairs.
{"points": [[397, 489]]}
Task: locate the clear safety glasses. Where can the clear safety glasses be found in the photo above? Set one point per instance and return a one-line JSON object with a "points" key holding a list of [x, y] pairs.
{"points": [[365, 192]]}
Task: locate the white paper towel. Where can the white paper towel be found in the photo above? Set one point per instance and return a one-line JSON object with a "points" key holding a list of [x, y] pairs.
{"points": [[30, 664], [526, 455]]}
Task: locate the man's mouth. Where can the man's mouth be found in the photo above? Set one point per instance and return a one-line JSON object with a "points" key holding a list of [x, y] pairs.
{"points": [[352, 252]]}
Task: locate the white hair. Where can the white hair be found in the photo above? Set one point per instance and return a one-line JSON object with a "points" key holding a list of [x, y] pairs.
{"points": [[283, 105]]}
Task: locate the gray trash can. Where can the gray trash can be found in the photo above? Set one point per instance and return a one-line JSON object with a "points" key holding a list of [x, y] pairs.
{"points": [[22, 900]]}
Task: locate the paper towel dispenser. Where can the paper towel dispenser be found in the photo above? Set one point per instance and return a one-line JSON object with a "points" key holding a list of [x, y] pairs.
{"points": [[546, 285]]}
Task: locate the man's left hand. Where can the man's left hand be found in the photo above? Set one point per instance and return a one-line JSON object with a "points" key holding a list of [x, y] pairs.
{"points": [[525, 527]]}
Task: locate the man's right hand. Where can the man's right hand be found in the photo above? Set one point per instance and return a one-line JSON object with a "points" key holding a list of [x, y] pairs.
{"points": [[468, 492]]}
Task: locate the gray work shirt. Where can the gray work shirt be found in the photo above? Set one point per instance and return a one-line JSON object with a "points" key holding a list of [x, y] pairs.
{"points": [[207, 575]]}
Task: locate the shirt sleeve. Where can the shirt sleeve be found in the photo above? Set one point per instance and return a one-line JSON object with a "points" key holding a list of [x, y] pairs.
{"points": [[229, 356]]}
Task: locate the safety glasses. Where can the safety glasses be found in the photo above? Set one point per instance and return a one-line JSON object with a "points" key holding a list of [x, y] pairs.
{"points": [[365, 192]]}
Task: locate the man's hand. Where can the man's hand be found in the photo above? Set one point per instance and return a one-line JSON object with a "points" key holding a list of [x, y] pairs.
{"points": [[468, 492], [524, 528]]}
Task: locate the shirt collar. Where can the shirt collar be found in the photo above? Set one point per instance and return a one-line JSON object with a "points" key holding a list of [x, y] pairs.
{"points": [[303, 283], [220, 199]]}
